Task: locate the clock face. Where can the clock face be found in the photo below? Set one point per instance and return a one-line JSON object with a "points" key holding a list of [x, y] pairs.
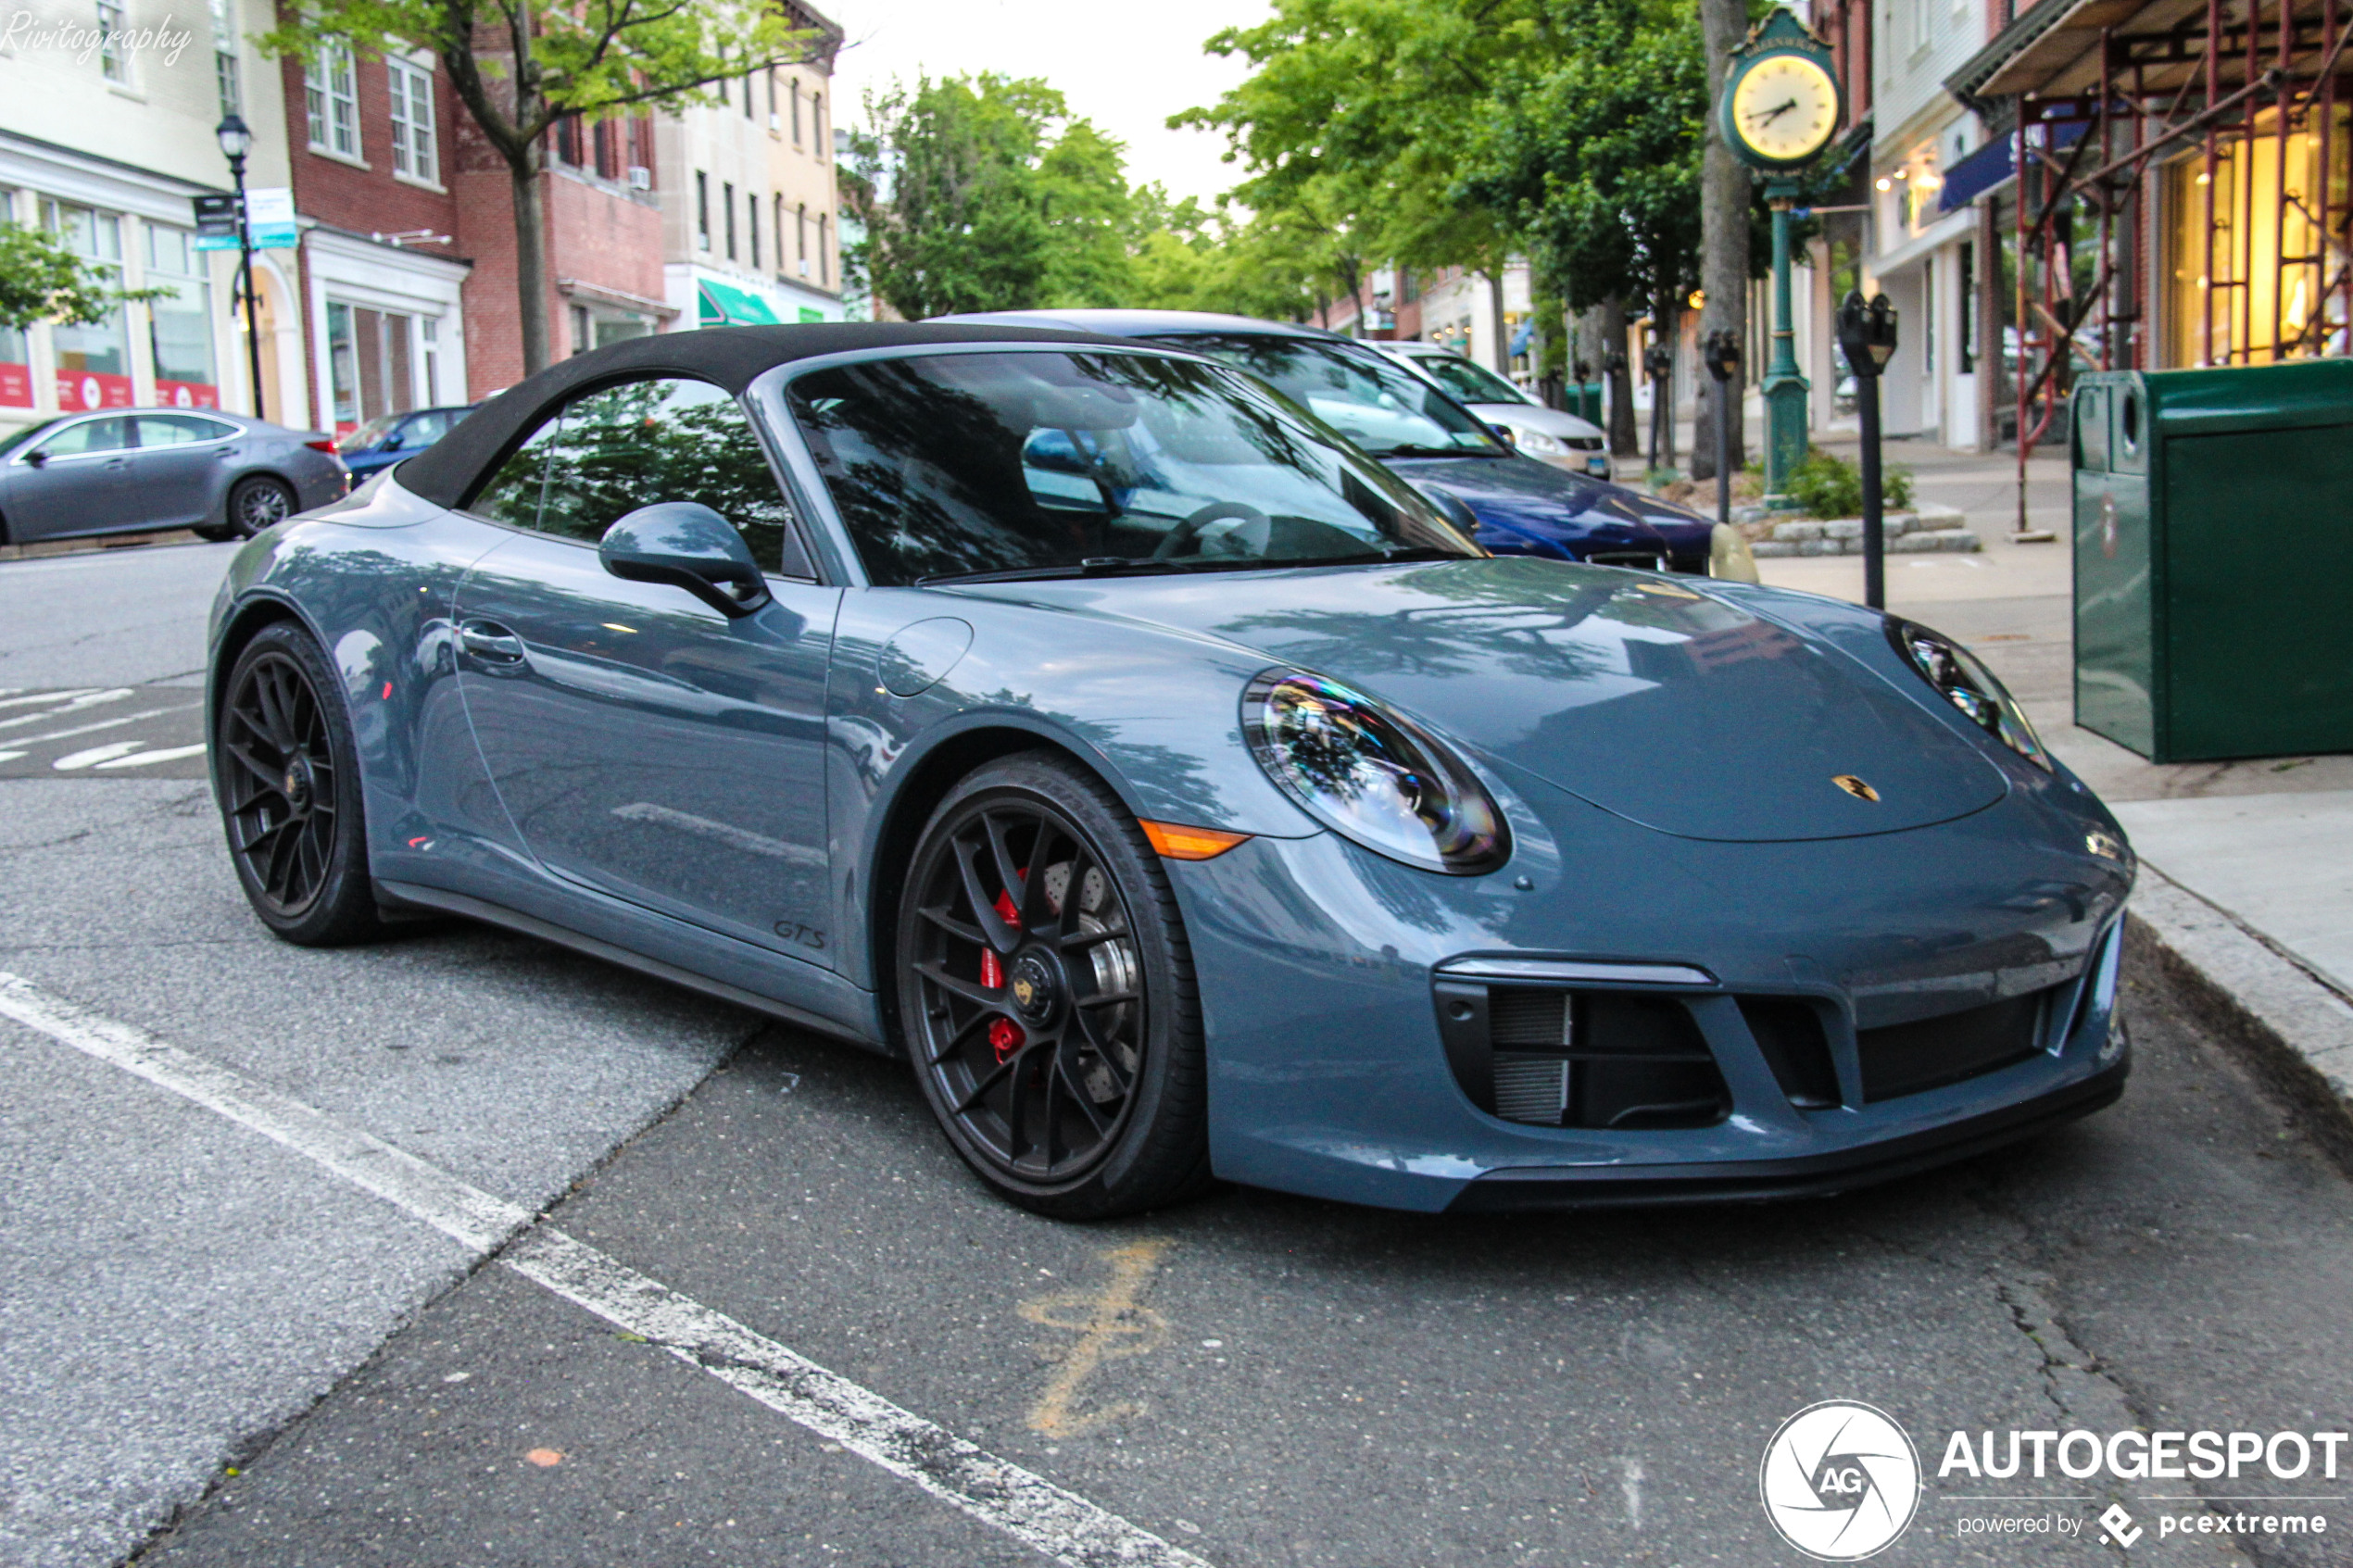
{"points": [[1785, 107]]}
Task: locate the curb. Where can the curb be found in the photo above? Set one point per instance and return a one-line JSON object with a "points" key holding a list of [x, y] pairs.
{"points": [[2296, 1031]]}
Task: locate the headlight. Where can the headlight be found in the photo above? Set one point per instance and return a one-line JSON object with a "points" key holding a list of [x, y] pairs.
{"points": [[1371, 776], [1536, 441], [1969, 686]]}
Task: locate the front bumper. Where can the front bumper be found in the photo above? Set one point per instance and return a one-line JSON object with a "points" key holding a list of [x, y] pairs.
{"points": [[1318, 965]]}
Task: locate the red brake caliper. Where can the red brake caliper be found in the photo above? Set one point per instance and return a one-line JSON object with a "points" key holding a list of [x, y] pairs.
{"points": [[1004, 1035]]}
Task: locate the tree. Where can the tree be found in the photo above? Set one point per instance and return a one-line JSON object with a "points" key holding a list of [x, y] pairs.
{"points": [[1725, 201], [520, 65], [43, 280], [985, 193]]}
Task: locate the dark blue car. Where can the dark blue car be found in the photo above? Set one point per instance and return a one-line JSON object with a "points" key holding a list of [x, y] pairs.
{"points": [[1168, 783], [1513, 505], [389, 438]]}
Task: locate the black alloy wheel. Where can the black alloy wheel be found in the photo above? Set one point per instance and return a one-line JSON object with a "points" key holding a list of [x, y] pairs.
{"points": [[1046, 996], [288, 781], [257, 503]]}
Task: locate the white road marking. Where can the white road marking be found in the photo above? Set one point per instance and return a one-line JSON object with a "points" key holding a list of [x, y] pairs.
{"points": [[80, 701], [9, 755], [96, 754], [168, 753], [101, 724], [9, 700], [1028, 1507]]}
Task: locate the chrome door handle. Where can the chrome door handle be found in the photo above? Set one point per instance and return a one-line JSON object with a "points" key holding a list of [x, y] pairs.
{"points": [[490, 642]]}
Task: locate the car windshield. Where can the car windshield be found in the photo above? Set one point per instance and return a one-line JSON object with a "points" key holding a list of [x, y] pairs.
{"points": [[1041, 463], [1368, 398], [28, 434], [367, 435], [1472, 382]]}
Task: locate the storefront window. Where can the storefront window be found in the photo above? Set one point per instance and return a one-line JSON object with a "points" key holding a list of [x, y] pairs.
{"points": [[2251, 289], [180, 326], [15, 357], [94, 362], [369, 365]]}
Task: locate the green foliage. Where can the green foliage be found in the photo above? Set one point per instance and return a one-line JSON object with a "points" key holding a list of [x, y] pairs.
{"points": [[41, 281], [519, 67], [1827, 485]]}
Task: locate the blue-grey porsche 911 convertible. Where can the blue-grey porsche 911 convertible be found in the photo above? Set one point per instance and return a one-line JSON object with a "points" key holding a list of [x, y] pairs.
{"points": [[1177, 791]]}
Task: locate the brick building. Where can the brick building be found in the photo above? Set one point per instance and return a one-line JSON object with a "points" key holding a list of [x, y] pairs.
{"points": [[383, 280]]}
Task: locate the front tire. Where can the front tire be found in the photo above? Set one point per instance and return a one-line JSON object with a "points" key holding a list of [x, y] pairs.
{"points": [[1046, 996], [287, 776]]}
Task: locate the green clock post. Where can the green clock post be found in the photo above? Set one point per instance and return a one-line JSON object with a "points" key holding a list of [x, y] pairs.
{"points": [[1780, 107]]}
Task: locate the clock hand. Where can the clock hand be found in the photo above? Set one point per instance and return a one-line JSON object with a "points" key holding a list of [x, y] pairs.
{"points": [[1775, 113]]}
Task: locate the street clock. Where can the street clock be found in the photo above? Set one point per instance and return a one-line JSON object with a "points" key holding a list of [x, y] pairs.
{"points": [[1781, 103]]}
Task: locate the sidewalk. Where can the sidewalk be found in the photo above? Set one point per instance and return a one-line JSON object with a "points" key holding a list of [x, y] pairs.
{"points": [[2252, 890]]}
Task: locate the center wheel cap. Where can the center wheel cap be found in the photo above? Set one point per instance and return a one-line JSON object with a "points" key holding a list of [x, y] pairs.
{"points": [[298, 782], [1036, 987]]}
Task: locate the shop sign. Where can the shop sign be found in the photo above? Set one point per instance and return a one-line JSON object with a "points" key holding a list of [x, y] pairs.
{"points": [[187, 394], [269, 213], [79, 390], [16, 386]]}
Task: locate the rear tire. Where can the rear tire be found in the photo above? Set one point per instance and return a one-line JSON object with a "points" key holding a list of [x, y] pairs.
{"points": [[1060, 1047], [288, 777], [259, 502]]}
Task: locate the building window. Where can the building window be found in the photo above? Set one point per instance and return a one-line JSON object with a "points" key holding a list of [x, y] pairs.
{"points": [[780, 235], [224, 60], [113, 64], [702, 210], [817, 113], [568, 148], [796, 112], [801, 236], [751, 225], [1969, 307], [333, 98], [772, 98], [748, 77], [103, 348], [429, 329], [727, 196], [580, 343], [824, 272], [180, 327], [369, 372], [413, 153]]}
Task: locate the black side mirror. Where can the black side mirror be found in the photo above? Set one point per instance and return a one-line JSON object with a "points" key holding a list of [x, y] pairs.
{"points": [[1505, 434], [36, 458], [687, 546], [390, 442]]}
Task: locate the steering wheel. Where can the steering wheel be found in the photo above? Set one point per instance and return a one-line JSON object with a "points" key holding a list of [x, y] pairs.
{"points": [[1187, 531]]}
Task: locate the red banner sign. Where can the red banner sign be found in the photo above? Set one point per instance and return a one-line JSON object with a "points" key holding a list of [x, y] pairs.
{"points": [[80, 390], [187, 394], [16, 386]]}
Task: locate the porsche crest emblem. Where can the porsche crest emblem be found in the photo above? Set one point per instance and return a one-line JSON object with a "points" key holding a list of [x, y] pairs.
{"points": [[1024, 990], [1860, 788]]}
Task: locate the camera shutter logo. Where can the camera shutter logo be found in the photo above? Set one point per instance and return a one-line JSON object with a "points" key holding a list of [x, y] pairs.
{"points": [[1839, 1481]]}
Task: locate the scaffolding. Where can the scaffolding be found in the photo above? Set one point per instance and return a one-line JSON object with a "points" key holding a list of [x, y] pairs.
{"points": [[2203, 139]]}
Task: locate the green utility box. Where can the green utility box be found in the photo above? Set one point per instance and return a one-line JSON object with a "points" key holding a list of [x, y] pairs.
{"points": [[1584, 400], [2214, 559]]}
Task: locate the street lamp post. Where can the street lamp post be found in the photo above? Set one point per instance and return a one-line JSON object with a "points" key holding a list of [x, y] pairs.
{"points": [[235, 142]]}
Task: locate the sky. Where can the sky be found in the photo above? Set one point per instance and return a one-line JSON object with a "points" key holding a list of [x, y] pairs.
{"points": [[1125, 66]]}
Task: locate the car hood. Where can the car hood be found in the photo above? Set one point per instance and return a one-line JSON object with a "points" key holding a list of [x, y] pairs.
{"points": [[1538, 501], [1531, 416], [1665, 704]]}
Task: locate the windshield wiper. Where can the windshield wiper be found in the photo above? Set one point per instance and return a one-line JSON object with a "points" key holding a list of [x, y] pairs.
{"points": [[1093, 565], [1409, 449]]}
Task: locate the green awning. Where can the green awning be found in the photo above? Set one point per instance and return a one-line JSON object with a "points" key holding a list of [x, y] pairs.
{"points": [[727, 307]]}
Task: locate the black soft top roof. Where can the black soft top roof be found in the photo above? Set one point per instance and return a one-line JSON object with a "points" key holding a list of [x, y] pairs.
{"points": [[727, 357]]}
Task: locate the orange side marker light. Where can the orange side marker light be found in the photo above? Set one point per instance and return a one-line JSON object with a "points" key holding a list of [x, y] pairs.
{"points": [[1188, 843]]}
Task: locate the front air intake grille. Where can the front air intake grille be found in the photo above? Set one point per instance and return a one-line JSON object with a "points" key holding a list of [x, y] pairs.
{"points": [[1790, 1034], [1581, 1059], [1907, 1059]]}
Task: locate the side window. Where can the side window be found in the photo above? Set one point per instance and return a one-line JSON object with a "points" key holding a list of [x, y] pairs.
{"points": [[179, 429], [90, 435], [513, 495], [665, 440]]}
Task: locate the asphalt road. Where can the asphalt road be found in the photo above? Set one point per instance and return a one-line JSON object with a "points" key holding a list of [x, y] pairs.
{"points": [[218, 1350]]}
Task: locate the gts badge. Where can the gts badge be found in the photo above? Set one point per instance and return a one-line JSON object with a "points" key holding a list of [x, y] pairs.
{"points": [[807, 936]]}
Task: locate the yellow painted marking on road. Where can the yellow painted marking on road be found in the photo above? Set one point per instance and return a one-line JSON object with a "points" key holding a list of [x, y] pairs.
{"points": [[1109, 1323]]}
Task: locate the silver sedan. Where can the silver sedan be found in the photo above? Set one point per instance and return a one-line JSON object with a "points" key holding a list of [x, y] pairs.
{"points": [[227, 476]]}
